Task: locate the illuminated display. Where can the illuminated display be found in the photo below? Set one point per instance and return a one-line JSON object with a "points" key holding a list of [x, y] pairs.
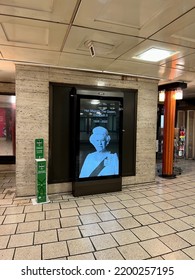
{"points": [[99, 137]]}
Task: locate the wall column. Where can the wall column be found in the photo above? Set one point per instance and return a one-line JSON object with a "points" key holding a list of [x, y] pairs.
{"points": [[168, 134], [169, 124]]}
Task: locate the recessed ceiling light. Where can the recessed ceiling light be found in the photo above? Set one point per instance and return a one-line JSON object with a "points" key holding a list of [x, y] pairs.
{"points": [[154, 55]]}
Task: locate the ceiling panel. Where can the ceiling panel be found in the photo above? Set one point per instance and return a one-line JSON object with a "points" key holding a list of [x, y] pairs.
{"points": [[59, 32], [2, 34], [105, 44], [148, 44], [185, 63], [20, 33], [43, 5], [19, 54], [180, 32], [136, 14], [144, 69], [30, 33], [135, 17], [173, 11], [48, 10], [109, 15], [84, 62]]}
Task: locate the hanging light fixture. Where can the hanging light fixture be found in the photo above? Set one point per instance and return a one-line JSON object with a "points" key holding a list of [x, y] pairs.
{"points": [[161, 96], [177, 87], [178, 94]]}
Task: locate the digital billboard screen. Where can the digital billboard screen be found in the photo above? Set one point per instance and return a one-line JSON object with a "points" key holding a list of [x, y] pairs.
{"points": [[99, 137]]}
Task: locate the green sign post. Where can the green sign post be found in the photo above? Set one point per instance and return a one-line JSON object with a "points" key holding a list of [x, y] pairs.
{"points": [[41, 182], [39, 148], [40, 172]]}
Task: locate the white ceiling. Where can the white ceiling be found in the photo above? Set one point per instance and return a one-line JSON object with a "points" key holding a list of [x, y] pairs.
{"points": [[56, 33]]}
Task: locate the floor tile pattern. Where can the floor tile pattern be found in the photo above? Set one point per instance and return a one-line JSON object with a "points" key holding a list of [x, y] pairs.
{"points": [[146, 221]]}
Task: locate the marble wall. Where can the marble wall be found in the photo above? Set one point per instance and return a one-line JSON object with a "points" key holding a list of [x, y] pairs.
{"points": [[32, 115]]}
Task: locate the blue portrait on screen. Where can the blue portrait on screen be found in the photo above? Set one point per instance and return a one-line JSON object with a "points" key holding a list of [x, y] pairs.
{"points": [[101, 162]]}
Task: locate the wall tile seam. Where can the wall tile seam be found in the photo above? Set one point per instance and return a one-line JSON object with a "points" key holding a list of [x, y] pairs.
{"points": [[106, 80], [48, 71], [118, 77], [84, 83], [114, 84]]}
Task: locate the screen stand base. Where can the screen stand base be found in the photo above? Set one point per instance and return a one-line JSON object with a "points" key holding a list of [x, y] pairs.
{"points": [[90, 187]]}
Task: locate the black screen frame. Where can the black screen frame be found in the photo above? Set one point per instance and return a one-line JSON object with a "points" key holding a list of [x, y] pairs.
{"points": [[61, 165], [79, 97]]}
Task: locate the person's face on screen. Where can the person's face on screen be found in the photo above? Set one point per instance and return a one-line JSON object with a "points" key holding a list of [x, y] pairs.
{"points": [[99, 142]]}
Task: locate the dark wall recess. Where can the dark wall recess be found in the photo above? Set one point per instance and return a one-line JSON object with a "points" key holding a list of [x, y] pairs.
{"points": [[59, 127], [61, 133]]}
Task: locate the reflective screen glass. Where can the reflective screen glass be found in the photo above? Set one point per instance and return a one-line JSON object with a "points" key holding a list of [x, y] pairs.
{"points": [[99, 137]]}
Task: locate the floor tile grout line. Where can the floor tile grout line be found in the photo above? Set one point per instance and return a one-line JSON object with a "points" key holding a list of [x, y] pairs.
{"points": [[108, 248], [187, 255], [167, 199], [189, 245]]}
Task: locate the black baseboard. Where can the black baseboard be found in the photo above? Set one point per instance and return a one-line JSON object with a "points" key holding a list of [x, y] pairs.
{"points": [[91, 187]]}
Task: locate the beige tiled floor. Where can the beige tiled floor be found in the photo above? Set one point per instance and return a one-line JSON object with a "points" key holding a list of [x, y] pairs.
{"points": [[148, 221]]}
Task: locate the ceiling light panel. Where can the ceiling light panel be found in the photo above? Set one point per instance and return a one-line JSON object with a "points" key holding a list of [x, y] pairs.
{"points": [[155, 54]]}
